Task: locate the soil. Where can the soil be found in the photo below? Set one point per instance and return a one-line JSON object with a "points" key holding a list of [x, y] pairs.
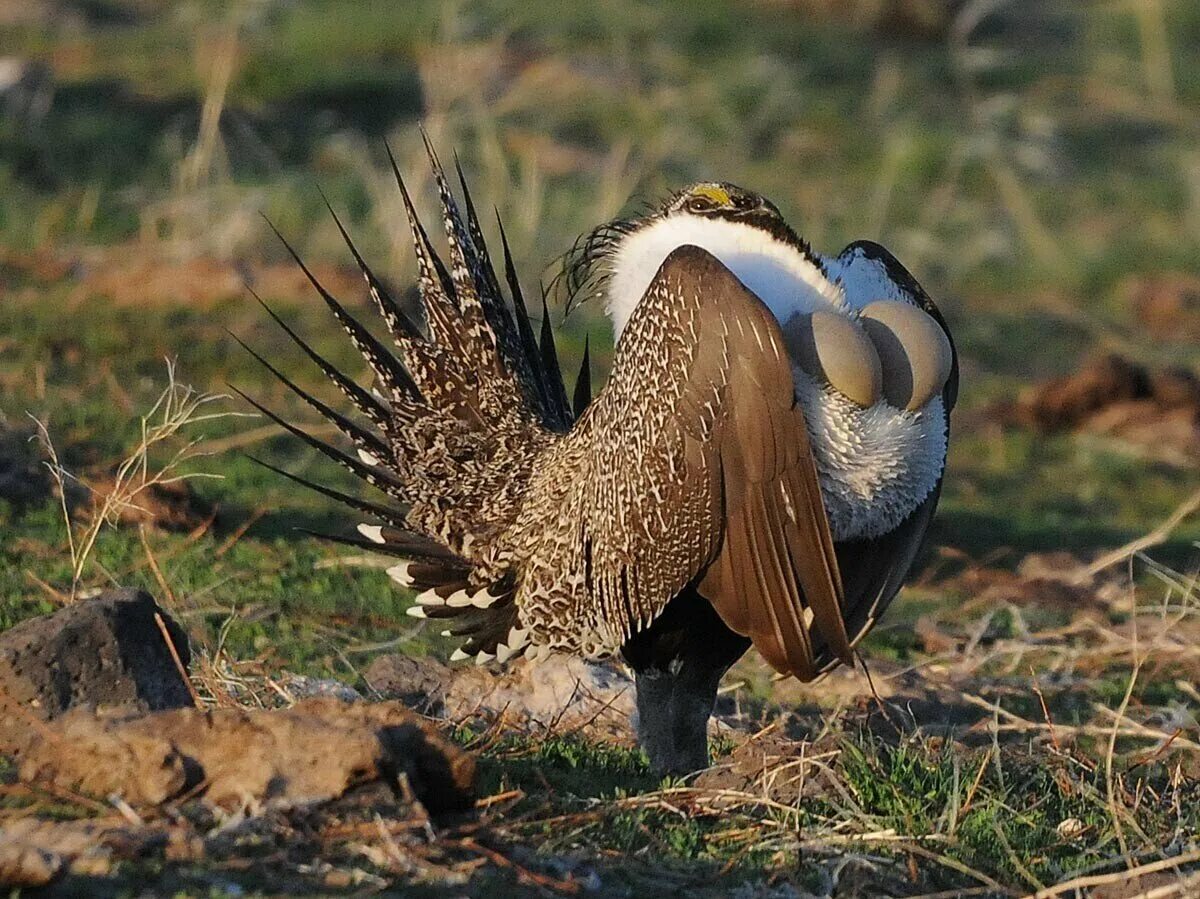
{"points": [[1116, 397]]}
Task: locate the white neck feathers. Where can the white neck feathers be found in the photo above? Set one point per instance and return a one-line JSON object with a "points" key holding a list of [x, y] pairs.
{"points": [[876, 464], [778, 274]]}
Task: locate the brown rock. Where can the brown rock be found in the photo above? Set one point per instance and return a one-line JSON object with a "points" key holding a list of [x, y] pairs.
{"points": [[22, 865], [35, 852], [107, 651], [311, 752]]}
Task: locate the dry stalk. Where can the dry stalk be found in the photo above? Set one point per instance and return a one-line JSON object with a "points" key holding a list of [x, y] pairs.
{"points": [[178, 408], [1153, 538], [1077, 884]]}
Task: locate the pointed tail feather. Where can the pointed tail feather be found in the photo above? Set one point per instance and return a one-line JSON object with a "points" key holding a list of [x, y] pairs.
{"points": [[373, 475], [385, 366], [359, 436], [583, 383], [555, 415], [550, 359], [394, 517], [399, 324], [464, 415], [379, 415]]}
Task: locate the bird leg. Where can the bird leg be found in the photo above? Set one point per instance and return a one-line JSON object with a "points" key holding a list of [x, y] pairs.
{"points": [[673, 711], [656, 736]]}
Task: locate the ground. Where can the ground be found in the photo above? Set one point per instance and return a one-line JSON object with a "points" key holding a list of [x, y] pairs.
{"points": [[1034, 165]]}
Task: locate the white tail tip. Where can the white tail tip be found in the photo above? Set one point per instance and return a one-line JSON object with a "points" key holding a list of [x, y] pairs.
{"points": [[372, 532], [399, 574]]}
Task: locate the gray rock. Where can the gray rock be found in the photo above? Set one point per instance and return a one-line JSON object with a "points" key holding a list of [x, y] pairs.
{"points": [[300, 686], [107, 652], [420, 684], [595, 699]]}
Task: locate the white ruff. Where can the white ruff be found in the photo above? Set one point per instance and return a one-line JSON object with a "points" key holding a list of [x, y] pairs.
{"points": [[777, 274], [876, 464]]}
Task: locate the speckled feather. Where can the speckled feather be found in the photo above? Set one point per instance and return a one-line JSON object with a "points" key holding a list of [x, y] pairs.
{"points": [[692, 465]]}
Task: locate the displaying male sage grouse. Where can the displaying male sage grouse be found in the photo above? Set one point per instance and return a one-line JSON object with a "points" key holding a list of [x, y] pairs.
{"points": [[760, 467]]}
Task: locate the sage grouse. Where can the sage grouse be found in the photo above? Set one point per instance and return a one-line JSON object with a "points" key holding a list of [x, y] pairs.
{"points": [[676, 518]]}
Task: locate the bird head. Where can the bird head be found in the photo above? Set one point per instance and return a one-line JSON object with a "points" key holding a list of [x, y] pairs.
{"points": [[592, 261]]}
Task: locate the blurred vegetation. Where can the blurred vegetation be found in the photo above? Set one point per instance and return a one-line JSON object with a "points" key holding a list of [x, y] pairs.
{"points": [[1033, 164]]}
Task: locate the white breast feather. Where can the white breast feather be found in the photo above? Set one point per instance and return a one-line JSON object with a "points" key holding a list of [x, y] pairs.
{"points": [[777, 274], [876, 464]]}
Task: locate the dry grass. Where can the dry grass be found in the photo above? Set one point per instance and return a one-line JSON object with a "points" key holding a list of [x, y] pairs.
{"points": [[178, 409]]}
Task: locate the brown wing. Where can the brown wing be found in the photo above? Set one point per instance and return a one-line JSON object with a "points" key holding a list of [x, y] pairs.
{"points": [[776, 575], [702, 472]]}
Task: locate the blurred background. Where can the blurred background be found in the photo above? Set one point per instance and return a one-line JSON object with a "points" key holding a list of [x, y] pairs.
{"points": [[1036, 165]]}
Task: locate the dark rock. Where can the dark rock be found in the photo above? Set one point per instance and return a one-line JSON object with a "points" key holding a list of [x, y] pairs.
{"points": [[102, 652], [24, 480]]}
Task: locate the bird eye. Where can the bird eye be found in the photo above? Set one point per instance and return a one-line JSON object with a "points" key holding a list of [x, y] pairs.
{"points": [[699, 204]]}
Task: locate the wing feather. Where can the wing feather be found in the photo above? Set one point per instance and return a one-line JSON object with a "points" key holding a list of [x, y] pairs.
{"points": [[701, 474]]}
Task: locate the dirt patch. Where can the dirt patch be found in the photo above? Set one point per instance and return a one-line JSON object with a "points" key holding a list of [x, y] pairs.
{"points": [[173, 506], [1056, 580], [139, 274], [1167, 305], [311, 752], [775, 767], [1113, 396]]}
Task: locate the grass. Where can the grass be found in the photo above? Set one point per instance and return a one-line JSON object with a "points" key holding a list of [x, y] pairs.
{"points": [[1028, 169]]}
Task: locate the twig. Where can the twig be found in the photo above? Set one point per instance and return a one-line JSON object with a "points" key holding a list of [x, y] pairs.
{"points": [[1094, 880], [1153, 538], [567, 887], [166, 635], [158, 574], [237, 535]]}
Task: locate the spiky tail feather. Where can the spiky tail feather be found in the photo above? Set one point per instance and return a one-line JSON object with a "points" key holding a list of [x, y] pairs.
{"points": [[452, 427]]}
